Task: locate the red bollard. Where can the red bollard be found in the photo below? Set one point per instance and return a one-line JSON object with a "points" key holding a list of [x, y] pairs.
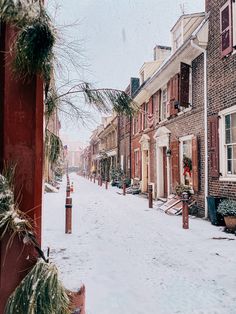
{"points": [[68, 191], [150, 198], [101, 182], [68, 224], [185, 213], [72, 187], [124, 188]]}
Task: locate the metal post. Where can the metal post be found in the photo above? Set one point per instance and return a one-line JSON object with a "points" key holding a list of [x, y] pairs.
{"points": [[94, 179], [150, 198], [106, 184], [185, 214], [68, 223], [124, 188]]}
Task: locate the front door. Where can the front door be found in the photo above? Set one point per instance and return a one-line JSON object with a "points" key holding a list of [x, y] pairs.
{"points": [[164, 172]]}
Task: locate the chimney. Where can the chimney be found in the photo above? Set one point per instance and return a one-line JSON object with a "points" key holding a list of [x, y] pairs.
{"points": [[161, 53]]}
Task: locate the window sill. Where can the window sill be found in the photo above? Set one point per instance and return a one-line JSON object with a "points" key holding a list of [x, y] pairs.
{"points": [[184, 111], [229, 179]]}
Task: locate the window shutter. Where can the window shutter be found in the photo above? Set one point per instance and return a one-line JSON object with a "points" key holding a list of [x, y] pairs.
{"points": [[195, 164], [175, 94], [184, 84], [214, 146], [174, 146], [226, 28], [169, 95]]}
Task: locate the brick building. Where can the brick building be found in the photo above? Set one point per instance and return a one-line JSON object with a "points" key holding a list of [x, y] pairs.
{"points": [[124, 133], [221, 66], [142, 130], [108, 147], [170, 127]]}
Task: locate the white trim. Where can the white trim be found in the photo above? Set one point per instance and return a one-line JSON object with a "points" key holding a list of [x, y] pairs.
{"points": [[234, 24], [181, 140], [186, 138], [223, 153], [136, 149]]}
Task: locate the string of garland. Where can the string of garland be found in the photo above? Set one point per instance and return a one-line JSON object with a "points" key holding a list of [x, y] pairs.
{"points": [[32, 47], [53, 146], [40, 292]]}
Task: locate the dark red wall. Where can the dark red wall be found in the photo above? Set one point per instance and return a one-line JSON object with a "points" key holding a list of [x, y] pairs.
{"points": [[21, 142]]}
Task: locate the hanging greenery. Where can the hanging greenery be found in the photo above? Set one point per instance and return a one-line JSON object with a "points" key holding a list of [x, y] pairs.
{"points": [[51, 103], [53, 146], [33, 45], [40, 292]]}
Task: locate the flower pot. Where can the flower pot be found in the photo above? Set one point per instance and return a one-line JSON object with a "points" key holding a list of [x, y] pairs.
{"points": [[230, 222], [77, 301]]}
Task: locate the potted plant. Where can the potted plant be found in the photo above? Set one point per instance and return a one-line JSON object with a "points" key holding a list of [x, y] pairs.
{"points": [[181, 188], [227, 208]]}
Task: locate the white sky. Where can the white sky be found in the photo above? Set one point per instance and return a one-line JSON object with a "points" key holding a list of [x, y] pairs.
{"points": [[117, 37]]}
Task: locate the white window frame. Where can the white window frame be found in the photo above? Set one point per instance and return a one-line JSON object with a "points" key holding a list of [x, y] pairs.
{"points": [[181, 140], [222, 153], [162, 113], [234, 24]]}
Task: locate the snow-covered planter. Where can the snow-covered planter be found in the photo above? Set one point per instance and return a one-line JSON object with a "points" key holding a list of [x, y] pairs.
{"points": [[181, 188], [227, 208]]}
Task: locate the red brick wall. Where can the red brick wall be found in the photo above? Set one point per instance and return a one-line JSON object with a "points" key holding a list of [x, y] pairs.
{"points": [[221, 85], [192, 123]]}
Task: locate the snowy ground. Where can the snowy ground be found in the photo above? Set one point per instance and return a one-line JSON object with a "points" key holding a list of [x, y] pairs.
{"points": [[133, 260]]}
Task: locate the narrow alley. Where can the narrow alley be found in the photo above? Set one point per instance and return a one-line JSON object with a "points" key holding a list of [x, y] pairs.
{"points": [[133, 259]]}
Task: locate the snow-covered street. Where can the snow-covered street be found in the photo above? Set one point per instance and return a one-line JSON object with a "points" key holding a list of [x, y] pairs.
{"points": [[136, 260]]}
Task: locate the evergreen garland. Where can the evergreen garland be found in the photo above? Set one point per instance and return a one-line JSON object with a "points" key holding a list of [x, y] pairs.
{"points": [[40, 292]]}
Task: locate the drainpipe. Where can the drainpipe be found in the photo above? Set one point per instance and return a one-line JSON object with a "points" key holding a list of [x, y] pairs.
{"points": [[205, 122]]}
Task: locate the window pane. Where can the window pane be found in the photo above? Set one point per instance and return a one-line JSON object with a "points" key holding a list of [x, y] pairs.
{"points": [[229, 166], [234, 151], [227, 136], [233, 135], [234, 169], [233, 120], [229, 152], [227, 121]]}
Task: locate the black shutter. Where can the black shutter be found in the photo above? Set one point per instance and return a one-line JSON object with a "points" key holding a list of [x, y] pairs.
{"points": [[184, 84]]}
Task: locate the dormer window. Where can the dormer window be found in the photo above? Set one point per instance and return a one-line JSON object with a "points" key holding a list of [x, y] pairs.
{"points": [[177, 38], [142, 77]]}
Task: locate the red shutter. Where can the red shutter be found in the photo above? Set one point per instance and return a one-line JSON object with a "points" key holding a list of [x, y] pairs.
{"points": [[214, 146], [174, 146], [226, 28], [169, 95], [195, 164], [184, 84]]}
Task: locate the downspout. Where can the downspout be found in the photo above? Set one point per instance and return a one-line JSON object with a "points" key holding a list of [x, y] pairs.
{"points": [[205, 122]]}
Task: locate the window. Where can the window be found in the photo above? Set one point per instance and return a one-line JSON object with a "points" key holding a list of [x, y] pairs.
{"points": [[227, 141], [135, 125], [177, 38], [186, 159], [234, 24], [144, 116], [230, 143], [142, 77], [163, 103], [136, 163], [226, 28]]}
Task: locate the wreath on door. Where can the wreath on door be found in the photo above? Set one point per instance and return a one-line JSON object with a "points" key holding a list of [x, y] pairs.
{"points": [[187, 164]]}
